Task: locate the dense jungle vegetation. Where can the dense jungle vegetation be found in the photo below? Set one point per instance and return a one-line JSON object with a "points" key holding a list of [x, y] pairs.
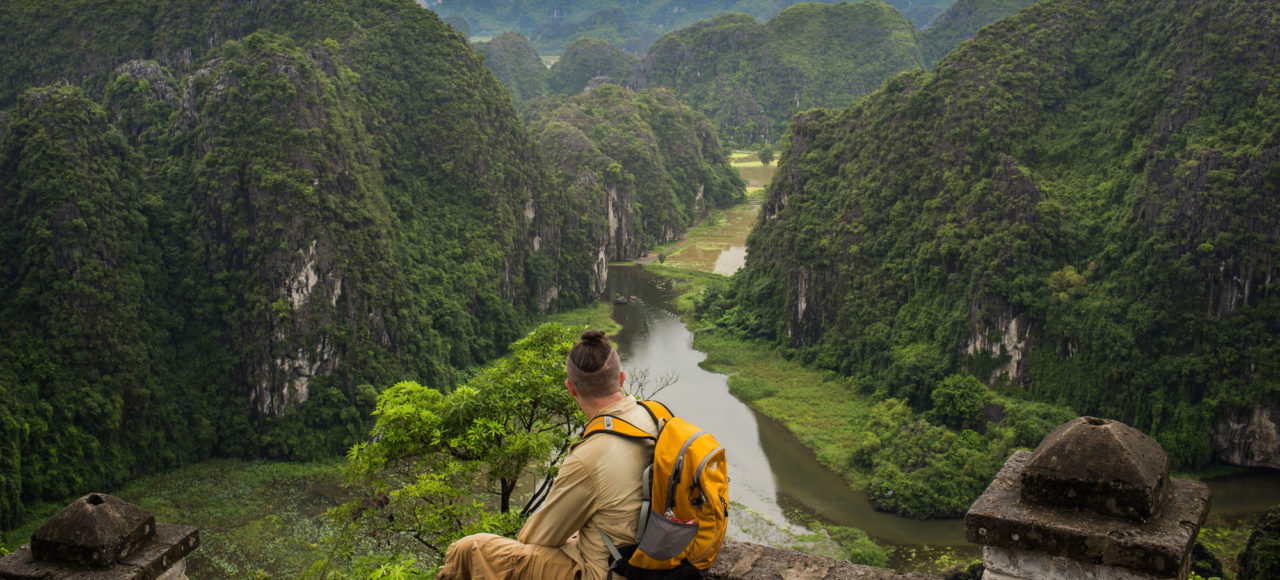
{"points": [[223, 224], [960, 22], [750, 77], [1078, 206], [640, 167], [629, 24], [213, 213]]}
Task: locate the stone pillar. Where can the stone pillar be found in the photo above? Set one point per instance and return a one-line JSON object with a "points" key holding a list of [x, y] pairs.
{"points": [[1093, 502], [101, 537]]}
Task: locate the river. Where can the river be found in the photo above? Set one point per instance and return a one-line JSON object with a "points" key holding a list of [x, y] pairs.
{"points": [[771, 471]]}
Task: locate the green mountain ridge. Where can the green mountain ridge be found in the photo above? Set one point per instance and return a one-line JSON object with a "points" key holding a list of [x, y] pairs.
{"points": [[1080, 204], [223, 223], [517, 65], [750, 77], [631, 25], [641, 166], [960, 22]]}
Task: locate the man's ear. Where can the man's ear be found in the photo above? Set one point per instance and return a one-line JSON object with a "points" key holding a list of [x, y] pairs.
{"points": [[572, 391], [622, 378]]}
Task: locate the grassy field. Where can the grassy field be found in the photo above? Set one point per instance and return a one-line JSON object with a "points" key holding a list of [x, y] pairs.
{"points": [[819, 407], [257, 519], [598, 315]]}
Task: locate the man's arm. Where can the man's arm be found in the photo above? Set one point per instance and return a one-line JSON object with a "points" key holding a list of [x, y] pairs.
{"points": [[566, 508]]}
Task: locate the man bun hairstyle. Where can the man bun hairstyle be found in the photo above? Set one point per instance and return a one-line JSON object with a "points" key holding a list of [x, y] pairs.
{"points": [[593, 365]]}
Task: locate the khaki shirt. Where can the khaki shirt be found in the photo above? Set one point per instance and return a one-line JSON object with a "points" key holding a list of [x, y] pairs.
{"points": [[598, 487]]}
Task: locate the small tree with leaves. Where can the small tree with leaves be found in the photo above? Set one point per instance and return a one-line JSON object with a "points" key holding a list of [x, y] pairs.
{"points": [[478, 459], [959, 402], [766, 154]]}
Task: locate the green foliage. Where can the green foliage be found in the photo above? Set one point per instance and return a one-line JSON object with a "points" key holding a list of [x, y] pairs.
{"points": [[586, 59], [766, 154], [217, 250], [1204, 563], [908, 465], [74, 354], [959, 402], [1077, 203], [636, 167], [460, 24], [921, 470], [1261, 557], [858, 547], [750, 78], [441, 466], [516, 64], [960, 22]]}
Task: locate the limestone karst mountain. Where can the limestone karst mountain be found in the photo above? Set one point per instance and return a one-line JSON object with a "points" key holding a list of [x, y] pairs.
{"points": [[222, 222], [1080, 203]]}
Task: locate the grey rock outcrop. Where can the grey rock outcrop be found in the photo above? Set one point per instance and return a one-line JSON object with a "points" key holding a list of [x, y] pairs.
{"points": [[1249, 437]]}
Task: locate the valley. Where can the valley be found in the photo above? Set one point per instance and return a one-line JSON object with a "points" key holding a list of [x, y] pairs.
{"points": [[888, 244]]}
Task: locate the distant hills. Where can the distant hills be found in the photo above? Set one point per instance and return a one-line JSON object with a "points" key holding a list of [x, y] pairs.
{"points": [[1080, 204], [750, 77], [960, 22], [628, 24]]}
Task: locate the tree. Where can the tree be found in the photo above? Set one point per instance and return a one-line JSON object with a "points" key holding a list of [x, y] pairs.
{"points": [[959, 402], [1261, 557], [766, 154], [441, 466]]}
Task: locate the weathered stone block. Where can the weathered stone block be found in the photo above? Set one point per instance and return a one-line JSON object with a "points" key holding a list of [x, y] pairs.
{"points": [[95, 530], [1098, 464], [1019, 565], [743, 561], [1160, 546], [158, 559]]}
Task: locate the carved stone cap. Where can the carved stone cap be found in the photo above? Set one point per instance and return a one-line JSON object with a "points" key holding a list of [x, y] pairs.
{"points": [[1159, 547], [100, 537], [1100, 465], [97, 530]]}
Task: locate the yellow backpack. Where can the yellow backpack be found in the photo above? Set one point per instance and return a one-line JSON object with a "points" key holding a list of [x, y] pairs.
{"points": [[686, 499]]}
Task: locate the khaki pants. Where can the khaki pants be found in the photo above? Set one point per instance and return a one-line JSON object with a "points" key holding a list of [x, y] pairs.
{"points": [[490, 557]]}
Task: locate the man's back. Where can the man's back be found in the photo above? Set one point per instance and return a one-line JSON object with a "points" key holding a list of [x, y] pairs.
{"points": [[598, 486]]}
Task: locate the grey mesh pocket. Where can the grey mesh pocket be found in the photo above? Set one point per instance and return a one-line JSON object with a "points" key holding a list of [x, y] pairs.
{"points": [[665, 539]]}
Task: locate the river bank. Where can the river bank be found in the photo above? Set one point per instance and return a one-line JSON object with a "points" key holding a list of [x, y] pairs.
{"points": [[829, 417]]}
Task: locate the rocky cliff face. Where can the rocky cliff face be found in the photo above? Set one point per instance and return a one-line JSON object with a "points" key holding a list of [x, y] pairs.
{"points": [[1249, 437]]}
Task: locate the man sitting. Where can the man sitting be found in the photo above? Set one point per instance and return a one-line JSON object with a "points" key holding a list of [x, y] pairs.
{"points": [[597, 488]]}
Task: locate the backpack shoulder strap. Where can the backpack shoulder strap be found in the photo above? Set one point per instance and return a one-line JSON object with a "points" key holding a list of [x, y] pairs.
{"points": [[616, 426], [659, 412]]}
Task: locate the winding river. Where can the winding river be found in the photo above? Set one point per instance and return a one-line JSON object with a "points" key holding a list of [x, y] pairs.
{"points": [[771, 471]]}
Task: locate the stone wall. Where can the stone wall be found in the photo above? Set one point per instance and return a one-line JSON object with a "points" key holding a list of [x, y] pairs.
{"points": [[743, 561]]}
